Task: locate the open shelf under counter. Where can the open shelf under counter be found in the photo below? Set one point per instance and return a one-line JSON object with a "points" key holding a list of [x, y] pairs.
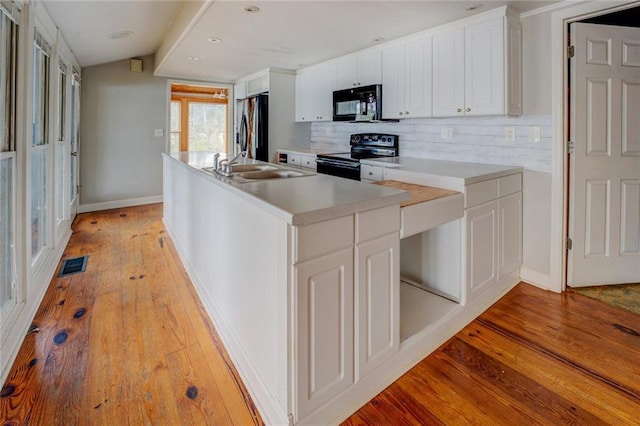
{"points": [[421, 311]]}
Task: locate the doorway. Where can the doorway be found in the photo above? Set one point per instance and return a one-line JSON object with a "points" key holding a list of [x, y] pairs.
{"points": [[199, 118], [561, 112]]}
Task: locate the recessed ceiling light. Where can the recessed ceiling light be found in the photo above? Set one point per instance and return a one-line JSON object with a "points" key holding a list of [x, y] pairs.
{"points": [[378, 39], [214, 39], [193, 58], [474, 7], [251, 9], [120, 35]]}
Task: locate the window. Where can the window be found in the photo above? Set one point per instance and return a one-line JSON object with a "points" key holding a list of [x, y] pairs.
{"points": [[8, 54], [74, 137], [40, 147], [199, 118], [60, 145]]}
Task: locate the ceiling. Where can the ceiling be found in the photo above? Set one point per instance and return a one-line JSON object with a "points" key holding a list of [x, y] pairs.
{"points": [[282, 34]]}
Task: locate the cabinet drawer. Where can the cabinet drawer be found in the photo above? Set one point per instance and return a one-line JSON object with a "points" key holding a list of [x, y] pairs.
{"points": [[294, 160], [376, 223], [368, 172], [308, 161], [509, 184], [481, 192], [322, 238]]}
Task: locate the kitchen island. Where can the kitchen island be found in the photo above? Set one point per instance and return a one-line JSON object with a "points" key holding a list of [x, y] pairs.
{"points": [[301, 277]]}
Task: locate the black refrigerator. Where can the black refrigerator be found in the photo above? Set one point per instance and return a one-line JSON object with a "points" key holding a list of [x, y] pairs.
{"points": [[252, 127]]}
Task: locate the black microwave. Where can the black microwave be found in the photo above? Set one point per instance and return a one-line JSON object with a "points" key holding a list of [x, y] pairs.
{"points": [[358, 104]]}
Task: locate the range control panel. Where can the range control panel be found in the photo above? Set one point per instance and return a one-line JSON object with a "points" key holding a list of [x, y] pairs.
{"points": [[377, 139]]}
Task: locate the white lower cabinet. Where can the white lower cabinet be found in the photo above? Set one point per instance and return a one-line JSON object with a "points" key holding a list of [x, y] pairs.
{"points": [[482, 246], [493, 221], [377, 302], [325, 343], [509, 234], [370, 173], [346, 281]]}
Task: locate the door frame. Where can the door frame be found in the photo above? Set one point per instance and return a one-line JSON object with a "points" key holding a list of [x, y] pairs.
{"points": [[559, 111], [230, 108]]}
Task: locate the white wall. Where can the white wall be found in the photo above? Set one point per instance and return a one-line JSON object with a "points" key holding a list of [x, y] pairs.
{"points": [[536, 63], [120, 158]]}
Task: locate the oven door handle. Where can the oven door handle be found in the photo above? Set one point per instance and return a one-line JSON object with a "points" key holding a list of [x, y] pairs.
{"points": [[338, 163]]}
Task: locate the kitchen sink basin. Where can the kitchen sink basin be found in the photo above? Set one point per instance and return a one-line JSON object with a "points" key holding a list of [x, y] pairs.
{"points": [[241, 168], [269, 174]]}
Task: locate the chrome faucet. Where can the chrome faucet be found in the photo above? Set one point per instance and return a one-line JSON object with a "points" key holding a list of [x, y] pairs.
{"points": [[225, 166]]}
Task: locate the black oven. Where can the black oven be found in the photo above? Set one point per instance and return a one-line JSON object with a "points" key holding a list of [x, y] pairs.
{"points": [[358, 104], [363, 145]]}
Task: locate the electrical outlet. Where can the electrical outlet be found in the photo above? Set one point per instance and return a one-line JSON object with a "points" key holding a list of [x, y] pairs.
{"points": [[446, 133], [534, 134], [158, 132], [510, 134]]}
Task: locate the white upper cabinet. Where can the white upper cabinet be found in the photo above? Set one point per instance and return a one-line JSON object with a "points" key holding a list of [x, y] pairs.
{"points": [[477, 69], [407, 79], [314, 93], [361, 69]]}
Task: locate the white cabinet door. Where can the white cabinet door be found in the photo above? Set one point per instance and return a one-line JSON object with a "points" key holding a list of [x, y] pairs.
{"points": [[482, 247], [393, 81], [369, 68], [418, 78], [322, 93], [484, 83], [303, 96], [509, 234], [377, 302], [359, 70], [448, 73], [407, 79], [294, 160], [324, 318], [314, 93], [346, 73], [477, 69], [308, 161]]}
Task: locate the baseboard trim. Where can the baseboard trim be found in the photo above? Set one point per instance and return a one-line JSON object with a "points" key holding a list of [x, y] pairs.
{"points": [[536, 278], [130, 202]]}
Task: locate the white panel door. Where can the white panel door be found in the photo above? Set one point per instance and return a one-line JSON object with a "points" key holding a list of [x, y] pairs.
{"points": [[377, 302], [482, 248], [324, 294], [604, 199]]}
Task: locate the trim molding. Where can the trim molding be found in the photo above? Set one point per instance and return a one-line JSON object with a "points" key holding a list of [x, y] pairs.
{"points": [[536, 278], [93, 207]]}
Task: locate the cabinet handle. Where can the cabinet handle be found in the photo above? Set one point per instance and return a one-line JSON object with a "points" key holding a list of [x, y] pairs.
{"points": [[354, 84], [406, 113], [468, 110], [400, 113], [370, 173], [459, 110]]}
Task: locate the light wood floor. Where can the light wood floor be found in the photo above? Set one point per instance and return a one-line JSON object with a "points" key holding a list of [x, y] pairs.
{"points": [[127, 342]]}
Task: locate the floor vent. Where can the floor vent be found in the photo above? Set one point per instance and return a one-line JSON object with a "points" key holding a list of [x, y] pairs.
{"points": [[73, 266]]}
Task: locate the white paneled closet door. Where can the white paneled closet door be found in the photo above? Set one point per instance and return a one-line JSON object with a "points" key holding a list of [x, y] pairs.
{"points": [[604, 210]]}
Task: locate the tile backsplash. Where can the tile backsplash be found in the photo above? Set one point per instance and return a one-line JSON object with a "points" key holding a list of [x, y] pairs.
{"points": [[473, 139]]}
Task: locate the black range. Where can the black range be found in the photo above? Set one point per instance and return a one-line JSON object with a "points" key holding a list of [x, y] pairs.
{"points": [[363, 145]]}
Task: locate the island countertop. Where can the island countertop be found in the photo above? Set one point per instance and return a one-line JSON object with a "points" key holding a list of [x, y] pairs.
{"points": [[452, 174], [298, 200]]}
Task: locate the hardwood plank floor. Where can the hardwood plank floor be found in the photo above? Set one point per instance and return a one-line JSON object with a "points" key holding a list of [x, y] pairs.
{"points": [[128, 342]]}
